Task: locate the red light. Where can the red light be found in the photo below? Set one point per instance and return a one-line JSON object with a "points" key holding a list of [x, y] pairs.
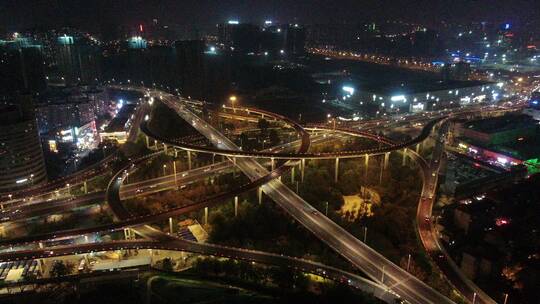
{"points": [[502, 222], [141, 28]]}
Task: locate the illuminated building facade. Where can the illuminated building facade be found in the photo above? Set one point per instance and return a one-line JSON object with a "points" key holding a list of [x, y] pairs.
{"points": [[426, 96], [502, 141]]}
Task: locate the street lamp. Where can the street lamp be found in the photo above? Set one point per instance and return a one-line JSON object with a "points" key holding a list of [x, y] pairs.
{"points": [[233, 99], [164, 167]]}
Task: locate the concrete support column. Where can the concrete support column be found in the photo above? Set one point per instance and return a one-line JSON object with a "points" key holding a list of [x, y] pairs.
{"points": [[189, 159], [206, 215], [213, 158], [40, 245], [383, 158], [272, 163], [404, 160], [302, 169], [292, 174], [234, 167], [235, 206], [418, 148], [386, 160], [174, 170], [366, 164], [147, 142], [85, 185], [259, 194], [165, 148], [336, 174], [175, 153]]}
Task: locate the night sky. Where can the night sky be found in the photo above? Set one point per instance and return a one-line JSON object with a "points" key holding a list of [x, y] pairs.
{"points": [[89, 14]]}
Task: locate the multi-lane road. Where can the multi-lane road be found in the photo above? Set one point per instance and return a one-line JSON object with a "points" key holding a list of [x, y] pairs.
{"points": [[374, 265], [359, 254]]}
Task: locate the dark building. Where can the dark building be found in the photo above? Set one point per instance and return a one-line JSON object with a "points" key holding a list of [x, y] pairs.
{"points": [[21, 157], [295, 39], [21, 67], [78, 60], [240, 37]]}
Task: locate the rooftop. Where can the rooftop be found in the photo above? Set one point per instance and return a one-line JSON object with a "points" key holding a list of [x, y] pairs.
{"points": [[501, 123], [414, 87], [118, 123]]}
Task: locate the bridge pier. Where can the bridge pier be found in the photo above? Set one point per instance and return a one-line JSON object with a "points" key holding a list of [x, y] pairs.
{"points": [[147, 142], [336, 173], [175, 153], [174, 171], [386, 160], [383, 162], [259, 194], [206, 215], [234, 167], [418, 148], [272, 164], [213, 158], [189, 159], [165, 148], [302, 168], [404, 160], [292, 174], [366, 164], [236, 206], [85, 185]]}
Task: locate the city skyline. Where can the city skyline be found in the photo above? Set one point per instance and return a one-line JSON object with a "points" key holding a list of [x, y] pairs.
{"points": [[204, 14], [268, 152]]}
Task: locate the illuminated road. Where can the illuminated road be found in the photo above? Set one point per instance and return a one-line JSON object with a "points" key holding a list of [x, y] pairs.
{"points": [[427, 230], [362, 256], [370, 262]]}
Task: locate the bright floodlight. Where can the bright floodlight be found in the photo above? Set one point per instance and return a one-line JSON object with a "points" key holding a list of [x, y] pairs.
{"points": [[398, 98], [234, 22], [348, 89]]}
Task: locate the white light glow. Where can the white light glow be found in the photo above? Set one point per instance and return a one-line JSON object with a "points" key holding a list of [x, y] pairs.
{"points": [[398, 98]]}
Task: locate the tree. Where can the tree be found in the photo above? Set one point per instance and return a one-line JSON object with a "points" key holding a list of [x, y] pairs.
{"points": [[263, 124], [167, 265], [274, 137], [60, 269]]}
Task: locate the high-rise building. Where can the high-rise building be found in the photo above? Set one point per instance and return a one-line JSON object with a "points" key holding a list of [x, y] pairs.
{"points": [[78, 60], [295, 39], [240, 37], [66, 59], [21, 67], [21, 157]]}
